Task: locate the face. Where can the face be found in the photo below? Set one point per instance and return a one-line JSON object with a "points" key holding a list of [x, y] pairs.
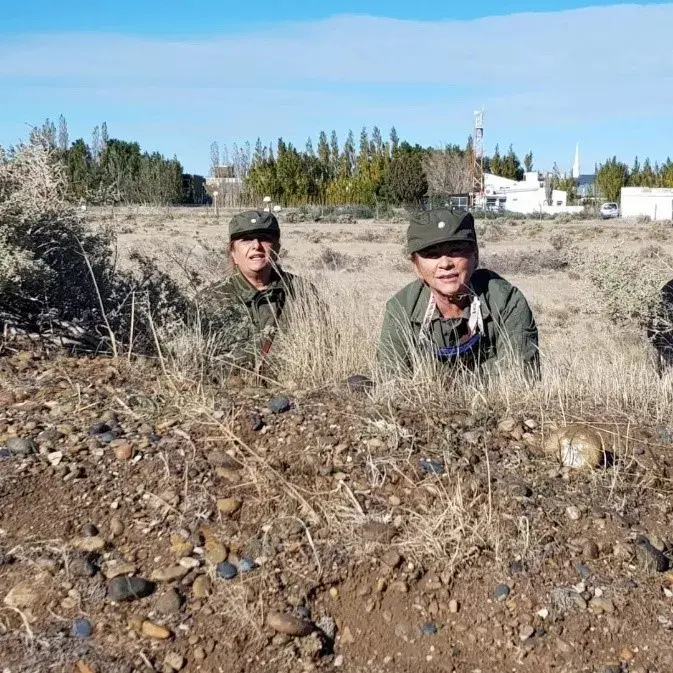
{"points": [[253, 253], [446, 267]]}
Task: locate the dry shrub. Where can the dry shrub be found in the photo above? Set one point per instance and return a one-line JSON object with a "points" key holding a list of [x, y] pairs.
{"points": [[524, 263], [55, 268], [628, 284]]}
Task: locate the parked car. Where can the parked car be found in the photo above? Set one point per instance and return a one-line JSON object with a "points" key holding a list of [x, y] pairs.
{"points": [[609, 210]]}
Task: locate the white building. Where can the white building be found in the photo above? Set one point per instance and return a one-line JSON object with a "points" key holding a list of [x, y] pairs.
{"points": [[525, 197], [657, 202]]}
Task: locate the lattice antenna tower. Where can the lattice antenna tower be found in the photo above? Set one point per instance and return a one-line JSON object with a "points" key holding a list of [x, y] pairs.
{"points": [[477, 166]]}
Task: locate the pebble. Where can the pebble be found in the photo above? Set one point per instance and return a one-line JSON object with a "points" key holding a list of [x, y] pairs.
{"points": [[226, 570], [289, 624], [590, 550], [453, 606], [228, 506], [280, 404], [174, 661], [573, 513], [526, 632], [246, 565], [256, 422], [154, 631], [346, 637], [431, 466], [116, 568], [169, 603], [81, 628], [171, 574], [501, 592], [20, 446], [328, 626], [90, 530], [507, 425], [129, 588], [201, 586], [88, 544], [107, 437], [116, 526], [543, 613], [429, 629], [123, 451], [600, 605], [359, 383], [391, 558], [189, 562]]}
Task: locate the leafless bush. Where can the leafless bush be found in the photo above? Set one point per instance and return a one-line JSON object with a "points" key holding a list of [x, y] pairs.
{"points": [[55, 267]]}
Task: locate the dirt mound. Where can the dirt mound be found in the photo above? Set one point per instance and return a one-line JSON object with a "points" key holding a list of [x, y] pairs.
{"points": [[145, 528]]}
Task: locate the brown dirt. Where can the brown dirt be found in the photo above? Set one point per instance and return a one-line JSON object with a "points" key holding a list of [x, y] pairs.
{"points": [[341, 521]]}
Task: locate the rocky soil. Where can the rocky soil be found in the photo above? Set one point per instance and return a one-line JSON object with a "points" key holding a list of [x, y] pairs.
{"points": [[145, 529]]}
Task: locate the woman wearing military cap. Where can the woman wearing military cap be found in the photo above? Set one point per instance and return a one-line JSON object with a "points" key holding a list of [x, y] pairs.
{"points": [[453, 311], [250, 305]]}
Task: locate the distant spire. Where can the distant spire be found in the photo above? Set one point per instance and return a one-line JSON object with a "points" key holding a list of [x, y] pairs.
{"points": [[576, 163]]}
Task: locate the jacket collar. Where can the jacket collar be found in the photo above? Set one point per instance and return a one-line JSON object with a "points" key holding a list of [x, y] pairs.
{"points": [[247, 292], [421, 306]]}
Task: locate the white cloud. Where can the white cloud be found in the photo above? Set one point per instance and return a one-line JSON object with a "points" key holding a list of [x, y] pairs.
{"points": [[575, 67]]}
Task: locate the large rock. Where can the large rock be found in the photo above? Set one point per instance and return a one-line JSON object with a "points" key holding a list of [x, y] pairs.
{"points": [[577, 446]]}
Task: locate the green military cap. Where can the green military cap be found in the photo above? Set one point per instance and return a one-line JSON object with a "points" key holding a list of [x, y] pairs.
{"points": [[253, 221], [430, 227]]}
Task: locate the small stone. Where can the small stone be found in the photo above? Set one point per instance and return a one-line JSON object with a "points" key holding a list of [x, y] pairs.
{"points": [[107, 437], [516, 568], [394, 501], [116, 526], [599, 605], [171, 574], [88, 544], [526, 632], [280, 404], [189, 562], [507, 425], [626, 655], [334, 593], [90, 530], [501, 592], [543, 613], [129, 588], [201, 587], [21, 446], [81, 628], [429, 629], [180, 546], [174, 661], [246, 565], [199, 654], [55, 457], [169, 603], [289, 624], [328, 626], [228, 506], [123, 451], [359, 383], [226, 570], [453, 606], [339, 661], [216, 552], [82, 667], [573, 513], [590, 550], [530, 423], [154, 631], [114, 569], [256, 422], [431, 466], [346, 637], [391, 558], [612, 668]]}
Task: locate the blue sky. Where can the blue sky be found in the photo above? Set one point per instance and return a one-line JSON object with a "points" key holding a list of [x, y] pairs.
{"points": [[176, 76]]}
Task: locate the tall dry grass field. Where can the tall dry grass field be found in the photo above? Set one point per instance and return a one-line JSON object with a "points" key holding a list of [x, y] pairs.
{"points": [[587, 282]]}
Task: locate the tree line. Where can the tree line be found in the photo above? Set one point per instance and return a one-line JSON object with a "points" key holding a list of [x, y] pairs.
{"points": [[613, 174], [369, 171], [109, 170]]}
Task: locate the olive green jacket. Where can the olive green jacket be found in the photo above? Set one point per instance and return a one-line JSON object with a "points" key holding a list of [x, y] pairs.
{"points": [[247, 319], [510, 332]]}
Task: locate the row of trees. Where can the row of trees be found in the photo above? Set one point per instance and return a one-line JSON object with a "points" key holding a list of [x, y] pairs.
{"points": [[370, 171], [612, 175], [108, 170]]}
